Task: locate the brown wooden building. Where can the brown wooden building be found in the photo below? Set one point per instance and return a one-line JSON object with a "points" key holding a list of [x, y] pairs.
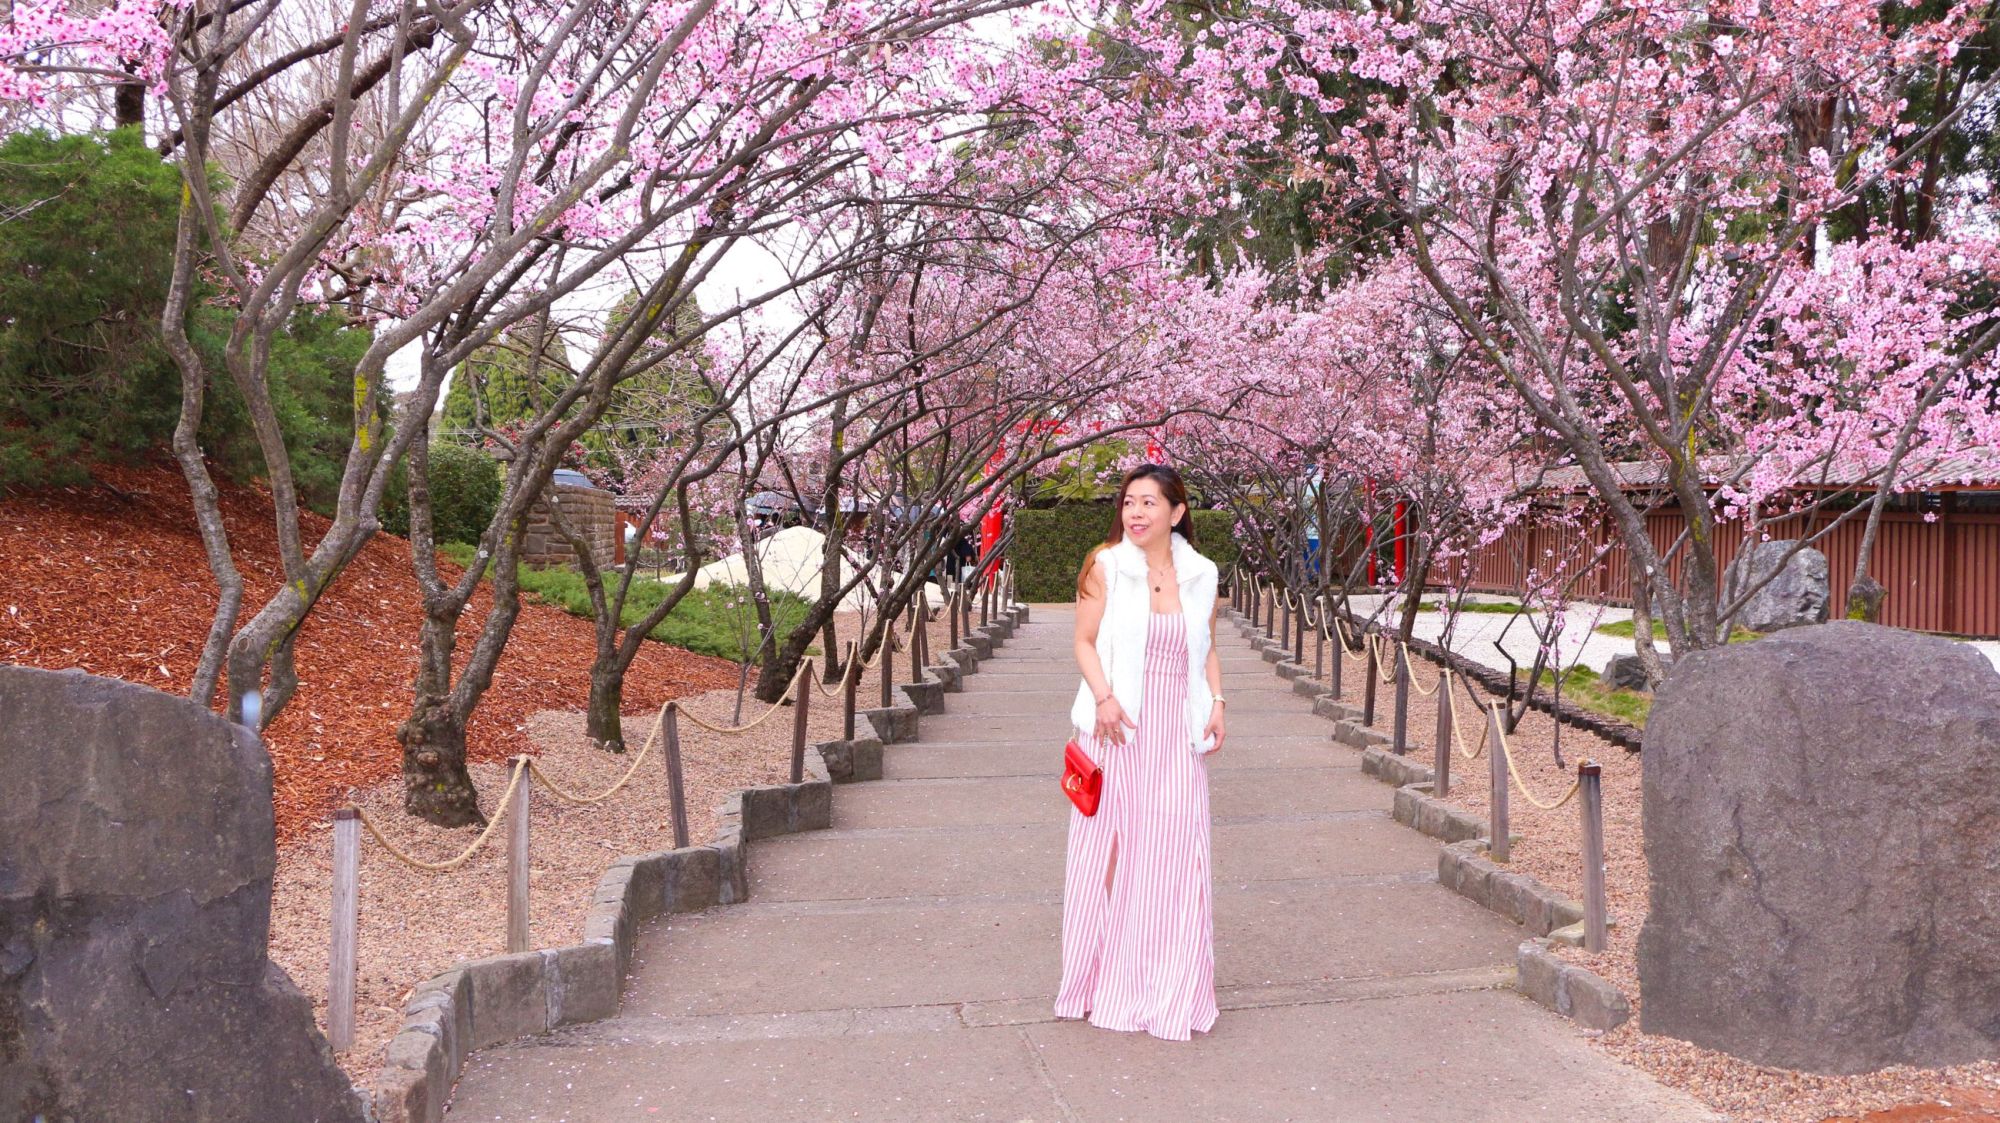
{"points": [[1937, 551]]}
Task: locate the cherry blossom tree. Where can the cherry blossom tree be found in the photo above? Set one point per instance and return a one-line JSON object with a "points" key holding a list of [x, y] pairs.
{"points": [[1621, 213]]}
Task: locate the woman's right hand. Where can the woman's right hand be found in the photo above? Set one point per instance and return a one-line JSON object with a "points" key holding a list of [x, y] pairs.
{"points": [[1111, 720]]}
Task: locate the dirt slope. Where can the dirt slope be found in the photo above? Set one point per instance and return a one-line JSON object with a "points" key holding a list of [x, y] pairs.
{"points": [[112, 579]]}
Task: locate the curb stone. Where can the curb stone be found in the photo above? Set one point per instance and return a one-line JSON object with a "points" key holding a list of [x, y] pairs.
{"points": [[1568, 989]]}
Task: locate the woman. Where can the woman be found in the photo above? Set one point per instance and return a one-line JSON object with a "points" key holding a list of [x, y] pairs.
{"points": [[1138, 933]]}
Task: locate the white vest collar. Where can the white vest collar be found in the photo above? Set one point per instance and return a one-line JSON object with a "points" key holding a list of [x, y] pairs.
{"points": [[1131, 559]]}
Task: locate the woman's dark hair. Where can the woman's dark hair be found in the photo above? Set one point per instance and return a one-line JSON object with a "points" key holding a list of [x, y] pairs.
{"points": [[1171, 488]]}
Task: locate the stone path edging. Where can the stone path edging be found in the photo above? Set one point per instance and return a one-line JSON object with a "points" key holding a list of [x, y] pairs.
{"points": [[1540, 974], [1569, 990], [485, 1002]]}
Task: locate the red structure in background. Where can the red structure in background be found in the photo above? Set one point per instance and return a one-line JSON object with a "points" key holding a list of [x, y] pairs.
{"points": [[994, 524], [1368, 543], [989, 533], [1402, 537]]}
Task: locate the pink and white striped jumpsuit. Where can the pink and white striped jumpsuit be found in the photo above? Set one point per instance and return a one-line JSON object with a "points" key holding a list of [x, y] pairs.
{"points": [[1142, 955]]}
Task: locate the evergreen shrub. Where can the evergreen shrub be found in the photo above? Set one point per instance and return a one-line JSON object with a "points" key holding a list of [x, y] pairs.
{"points": [[1050, 544], [465, 492]]}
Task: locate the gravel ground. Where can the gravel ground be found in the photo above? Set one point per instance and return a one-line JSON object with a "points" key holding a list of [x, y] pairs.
{"points": [[1549, 850], [415, 924]]}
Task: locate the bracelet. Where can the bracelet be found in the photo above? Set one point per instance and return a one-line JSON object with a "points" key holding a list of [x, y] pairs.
{"points": [[1100, 701], [1221, 701]]}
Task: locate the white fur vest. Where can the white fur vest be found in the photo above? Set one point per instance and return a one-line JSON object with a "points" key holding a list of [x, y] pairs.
{"points": [[1121, 637]]}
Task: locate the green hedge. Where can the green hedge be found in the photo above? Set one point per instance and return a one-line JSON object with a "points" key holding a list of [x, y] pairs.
{"points": [[1050, 544], [465, 489]]}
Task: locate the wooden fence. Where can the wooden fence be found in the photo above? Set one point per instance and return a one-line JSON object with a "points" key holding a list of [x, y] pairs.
{"points": [[1943, 575]]}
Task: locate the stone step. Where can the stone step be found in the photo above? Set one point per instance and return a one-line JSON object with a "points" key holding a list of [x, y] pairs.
{"points": [[1027, 858], [948, 801], [959, 725], [821, 955], [1042, 756], [1442, 1048], [1032, 701]]}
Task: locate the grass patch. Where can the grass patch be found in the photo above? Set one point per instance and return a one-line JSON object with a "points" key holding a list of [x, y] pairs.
{"points": [[1626, 629], [1583, 686], [1488, 607], [717, 620]]}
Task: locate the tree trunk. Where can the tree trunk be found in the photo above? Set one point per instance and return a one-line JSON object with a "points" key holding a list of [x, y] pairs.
{"points": [[607, 696], [778, 668], [1864, 599], [436, 786], [1642, 626]]}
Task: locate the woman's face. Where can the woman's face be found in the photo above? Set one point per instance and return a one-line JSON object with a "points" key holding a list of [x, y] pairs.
{"points": [[1148, 517]]}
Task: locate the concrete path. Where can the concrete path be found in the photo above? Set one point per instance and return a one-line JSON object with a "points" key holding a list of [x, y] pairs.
{"points": [[1578, 642], [902, 965]]}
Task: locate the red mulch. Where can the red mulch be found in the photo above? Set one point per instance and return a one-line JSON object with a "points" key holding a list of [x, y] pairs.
{"points": [[113, 580], [1963, 1105]]}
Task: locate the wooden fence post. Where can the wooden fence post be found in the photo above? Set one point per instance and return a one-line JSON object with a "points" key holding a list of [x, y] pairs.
{"points": [[517, 861], [676, 786], [346, 928], [951, 609], [1374, 674], [1590, 798], [1339, 655], [917, 640], [1299, 633], [801, 705], [888, 663], [1271, 613], [848, 685], [1285, 621], [1401, 743], [1441, 759], [1319, 644], [1496, 757]]}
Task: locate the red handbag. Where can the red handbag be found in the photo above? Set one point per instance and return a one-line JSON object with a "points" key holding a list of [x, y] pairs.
{"points": [[1082, 779]]}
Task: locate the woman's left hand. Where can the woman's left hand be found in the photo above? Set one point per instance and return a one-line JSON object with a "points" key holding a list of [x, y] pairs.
{"points": [[1214, 728]]}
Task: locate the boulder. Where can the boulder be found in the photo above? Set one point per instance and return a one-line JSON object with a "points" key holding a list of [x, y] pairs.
{"points": [[1822, 816], [1626, 672], [136, 852], [1798, 595]]}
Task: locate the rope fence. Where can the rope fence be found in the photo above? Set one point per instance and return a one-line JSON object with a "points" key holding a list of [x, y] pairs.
{"points": [[1514, 771], [465, 855], [511, 811], [1388, 660]]}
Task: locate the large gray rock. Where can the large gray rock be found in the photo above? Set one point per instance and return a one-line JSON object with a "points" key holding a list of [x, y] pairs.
{"points": [[1822, 825], [1798, 595], [136, 851], [1626, 671]]}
